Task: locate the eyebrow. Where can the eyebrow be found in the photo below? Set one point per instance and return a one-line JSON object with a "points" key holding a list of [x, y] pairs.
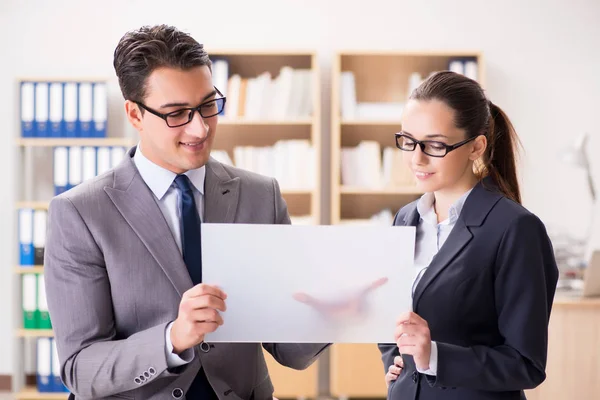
{"points": [[211, 94], [434, 136]]}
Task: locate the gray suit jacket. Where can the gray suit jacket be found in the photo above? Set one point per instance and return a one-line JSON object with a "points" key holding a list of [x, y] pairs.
{"points": [[114, 279]]}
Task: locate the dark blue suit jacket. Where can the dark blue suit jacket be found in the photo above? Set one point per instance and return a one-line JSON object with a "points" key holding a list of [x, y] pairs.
{"points": [[487, 297]]}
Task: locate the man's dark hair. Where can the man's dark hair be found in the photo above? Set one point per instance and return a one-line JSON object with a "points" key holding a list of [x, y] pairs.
{"points": [[141, 51]]}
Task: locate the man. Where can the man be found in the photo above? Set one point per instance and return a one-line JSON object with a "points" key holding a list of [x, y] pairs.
{"points": [[123, 263]]}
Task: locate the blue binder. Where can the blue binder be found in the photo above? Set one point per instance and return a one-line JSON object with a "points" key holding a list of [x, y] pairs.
{"points": [[27, 109], [26, 250]]}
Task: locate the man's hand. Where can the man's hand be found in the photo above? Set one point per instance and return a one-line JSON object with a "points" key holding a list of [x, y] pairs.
{"points": [[413, 337], [198, 315]]}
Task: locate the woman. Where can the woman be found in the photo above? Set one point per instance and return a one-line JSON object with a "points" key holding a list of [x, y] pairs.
{"points": [[485, 270]]}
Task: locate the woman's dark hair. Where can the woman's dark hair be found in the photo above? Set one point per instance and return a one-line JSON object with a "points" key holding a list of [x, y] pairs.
{"points": [[141, 51], [474, 113]]}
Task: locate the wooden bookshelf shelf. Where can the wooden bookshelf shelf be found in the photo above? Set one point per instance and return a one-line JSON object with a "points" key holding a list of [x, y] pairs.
{"points": [[384, 191], [50, 142], [37, 205], [36, 269], [226, 121], [35, 333], [31, 393], [392, 123]]}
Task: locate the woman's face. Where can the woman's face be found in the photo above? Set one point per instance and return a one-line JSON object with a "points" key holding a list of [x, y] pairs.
{"points": [[433, 120]]}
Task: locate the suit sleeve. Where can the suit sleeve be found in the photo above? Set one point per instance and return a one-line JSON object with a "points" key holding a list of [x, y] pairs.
{"points": [[525, 282], [281, 211], [293, 355], [94, 362]]}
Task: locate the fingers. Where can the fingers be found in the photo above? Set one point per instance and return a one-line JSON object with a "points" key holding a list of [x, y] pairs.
{"points": [[205, 301], [394, 370], [203, 289], [410, 330], [398, 361], [411, 318]]}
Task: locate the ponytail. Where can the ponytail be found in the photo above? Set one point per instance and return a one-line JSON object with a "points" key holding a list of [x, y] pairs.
{"points": [[499, 158]]}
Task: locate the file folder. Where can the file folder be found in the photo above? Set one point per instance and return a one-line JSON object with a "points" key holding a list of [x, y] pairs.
{"points": [[103, 160], [39, 236], [42, 304], [70, 110], [61, 170], [75, 166], [100, 113], [89, 163], [56, 109], [44, 365], [26, 249], [27, 109], [29, 301], [57, 384], [116, 156], [42, 109], [85, 109]]}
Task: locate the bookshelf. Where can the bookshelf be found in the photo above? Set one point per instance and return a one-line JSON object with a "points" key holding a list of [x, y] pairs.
{"points": [[264, 128], [268, 78], [369, 89]]}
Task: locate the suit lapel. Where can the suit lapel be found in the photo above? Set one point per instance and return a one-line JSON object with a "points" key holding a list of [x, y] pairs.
{"points": [[221, 194], [480, 202], [136, 203], [458, 239]]}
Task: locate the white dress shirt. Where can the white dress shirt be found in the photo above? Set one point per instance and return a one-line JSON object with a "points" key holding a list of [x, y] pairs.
{"points": [[431, 236], [161, 183]]}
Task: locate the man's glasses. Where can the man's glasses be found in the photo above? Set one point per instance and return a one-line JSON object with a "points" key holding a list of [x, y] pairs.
{"points": [[184, 116], [430, 147]]}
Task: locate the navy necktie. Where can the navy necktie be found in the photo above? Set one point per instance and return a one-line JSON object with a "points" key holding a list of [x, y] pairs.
{"points": [[190, 229], [192, 256]]}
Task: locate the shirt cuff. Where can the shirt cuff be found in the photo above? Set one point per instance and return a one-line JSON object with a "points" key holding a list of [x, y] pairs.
{"points": [[433, 359], [176, 360]]}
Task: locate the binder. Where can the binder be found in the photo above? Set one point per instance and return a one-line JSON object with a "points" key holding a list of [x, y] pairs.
{"points": [[86, 101], [39, 236], [29, 301], [103, 160], [41, 109], [75, 166], [27, 109], [56, 109], [116, 155], [100, 113], [70, 110], [26, 250], [61, 170], [89, 163], [44, 365], [42, 304], [57, 384]]}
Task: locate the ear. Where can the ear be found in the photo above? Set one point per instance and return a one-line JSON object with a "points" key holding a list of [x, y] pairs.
{"points": [[134, 115], [479, 146]]}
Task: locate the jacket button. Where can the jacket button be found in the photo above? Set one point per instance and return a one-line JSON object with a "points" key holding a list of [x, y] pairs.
{"points": [[415, 377], [177, 393]]}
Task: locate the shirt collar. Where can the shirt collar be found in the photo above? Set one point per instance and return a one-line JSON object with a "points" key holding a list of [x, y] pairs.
{"points": [[159, 179], [427, 211]]}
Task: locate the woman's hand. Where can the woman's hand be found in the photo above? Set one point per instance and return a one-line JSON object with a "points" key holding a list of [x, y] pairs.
{"points": [[413, 337], [394, 370]]}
